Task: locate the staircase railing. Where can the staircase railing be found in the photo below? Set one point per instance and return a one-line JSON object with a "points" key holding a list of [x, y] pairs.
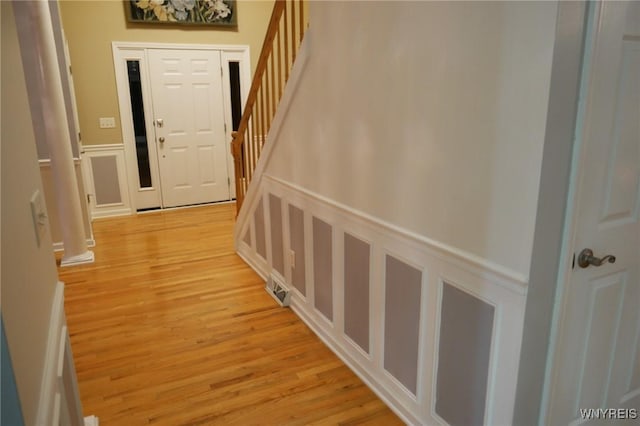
{"points": [[281, 44]]}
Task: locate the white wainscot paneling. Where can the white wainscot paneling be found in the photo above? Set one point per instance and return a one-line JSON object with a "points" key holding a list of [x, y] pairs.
{"points": [[105, 177], [59, 396], [253, 238], [485, 287]]}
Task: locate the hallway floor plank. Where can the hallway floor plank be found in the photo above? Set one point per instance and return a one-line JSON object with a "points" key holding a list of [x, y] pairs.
{"points": [[170, 327]]}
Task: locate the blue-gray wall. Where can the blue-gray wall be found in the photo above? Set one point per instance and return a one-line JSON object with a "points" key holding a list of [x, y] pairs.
{"points": [[11, 414]]}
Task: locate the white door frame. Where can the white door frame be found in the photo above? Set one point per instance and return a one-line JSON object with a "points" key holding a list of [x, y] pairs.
{"points": [[123, 51], [551, 254], [578, 165]]}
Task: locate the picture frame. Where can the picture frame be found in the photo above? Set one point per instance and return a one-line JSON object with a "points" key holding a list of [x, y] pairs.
{"points": [[183, 12]]}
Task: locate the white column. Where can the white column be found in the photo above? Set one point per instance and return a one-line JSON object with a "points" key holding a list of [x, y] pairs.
{"points": [[58, 139]]}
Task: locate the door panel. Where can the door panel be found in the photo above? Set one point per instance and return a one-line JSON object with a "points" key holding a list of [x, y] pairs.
{"points": [[596, 361], [187, 98], [603, 320], [206, 158], [621, 194], [180, 170]]}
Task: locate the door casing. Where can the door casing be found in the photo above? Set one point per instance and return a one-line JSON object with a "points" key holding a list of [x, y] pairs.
{"points": [[551, 251], [142, 198]]}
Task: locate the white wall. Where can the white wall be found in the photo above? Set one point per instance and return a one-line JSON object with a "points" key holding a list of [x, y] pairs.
{"points": [[430, 116], [29, 272]]}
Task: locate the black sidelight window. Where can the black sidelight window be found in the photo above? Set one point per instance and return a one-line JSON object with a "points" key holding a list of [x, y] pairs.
{"points": [[140, 131]]}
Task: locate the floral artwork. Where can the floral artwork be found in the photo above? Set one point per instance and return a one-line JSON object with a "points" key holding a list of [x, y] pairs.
{"points": [[206, 12]]}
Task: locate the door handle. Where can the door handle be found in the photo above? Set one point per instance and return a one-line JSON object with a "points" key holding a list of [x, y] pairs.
{"points": [[159, 122], [161, 139], [586, 258]]}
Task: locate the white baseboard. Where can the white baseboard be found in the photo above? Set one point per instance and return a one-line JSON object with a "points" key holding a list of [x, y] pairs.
{"points": [[101, 213], [84, 258], [254, 260], [91, 421], [356, 367], [59, 246]]}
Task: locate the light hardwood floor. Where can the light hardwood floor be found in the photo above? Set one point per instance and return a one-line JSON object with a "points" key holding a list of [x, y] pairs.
{"points": [[170, 327]]}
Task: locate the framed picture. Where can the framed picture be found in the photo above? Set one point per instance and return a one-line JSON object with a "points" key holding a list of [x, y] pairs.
{"points": [[190, 12]]}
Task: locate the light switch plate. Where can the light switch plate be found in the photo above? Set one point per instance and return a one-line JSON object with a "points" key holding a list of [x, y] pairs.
{"points": [[107, 122], [39, 215]]}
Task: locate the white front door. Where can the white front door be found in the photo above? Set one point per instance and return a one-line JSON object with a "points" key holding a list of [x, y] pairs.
{"points": [[597, 359], [186, 87]]}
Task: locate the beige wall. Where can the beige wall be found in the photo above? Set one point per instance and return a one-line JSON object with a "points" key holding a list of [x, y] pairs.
{"points": [[91, 26], [29, 273]]}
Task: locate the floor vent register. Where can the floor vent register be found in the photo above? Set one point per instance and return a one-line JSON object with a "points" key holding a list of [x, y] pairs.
{"points": [[278, 290]]}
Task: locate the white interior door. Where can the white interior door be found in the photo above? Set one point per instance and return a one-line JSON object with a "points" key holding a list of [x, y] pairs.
{"points": [[597, 359], [186, 87]]}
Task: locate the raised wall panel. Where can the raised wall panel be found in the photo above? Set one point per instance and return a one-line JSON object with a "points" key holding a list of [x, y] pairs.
{"points": [[296, 231], [107, 189], [466, 324], [323, 267], [258, 220], [277, 250], [247, 236], [356, 290], [403, 288], [105, 176]]}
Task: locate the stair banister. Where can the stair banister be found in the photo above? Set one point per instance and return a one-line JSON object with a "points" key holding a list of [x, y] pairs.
{"points": [[284, 32]]}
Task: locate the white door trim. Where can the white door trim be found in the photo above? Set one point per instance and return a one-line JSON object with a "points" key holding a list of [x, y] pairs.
{"points": [[123, 51], [151, 195], [569, 231], [243, 48], [548, 251]]}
